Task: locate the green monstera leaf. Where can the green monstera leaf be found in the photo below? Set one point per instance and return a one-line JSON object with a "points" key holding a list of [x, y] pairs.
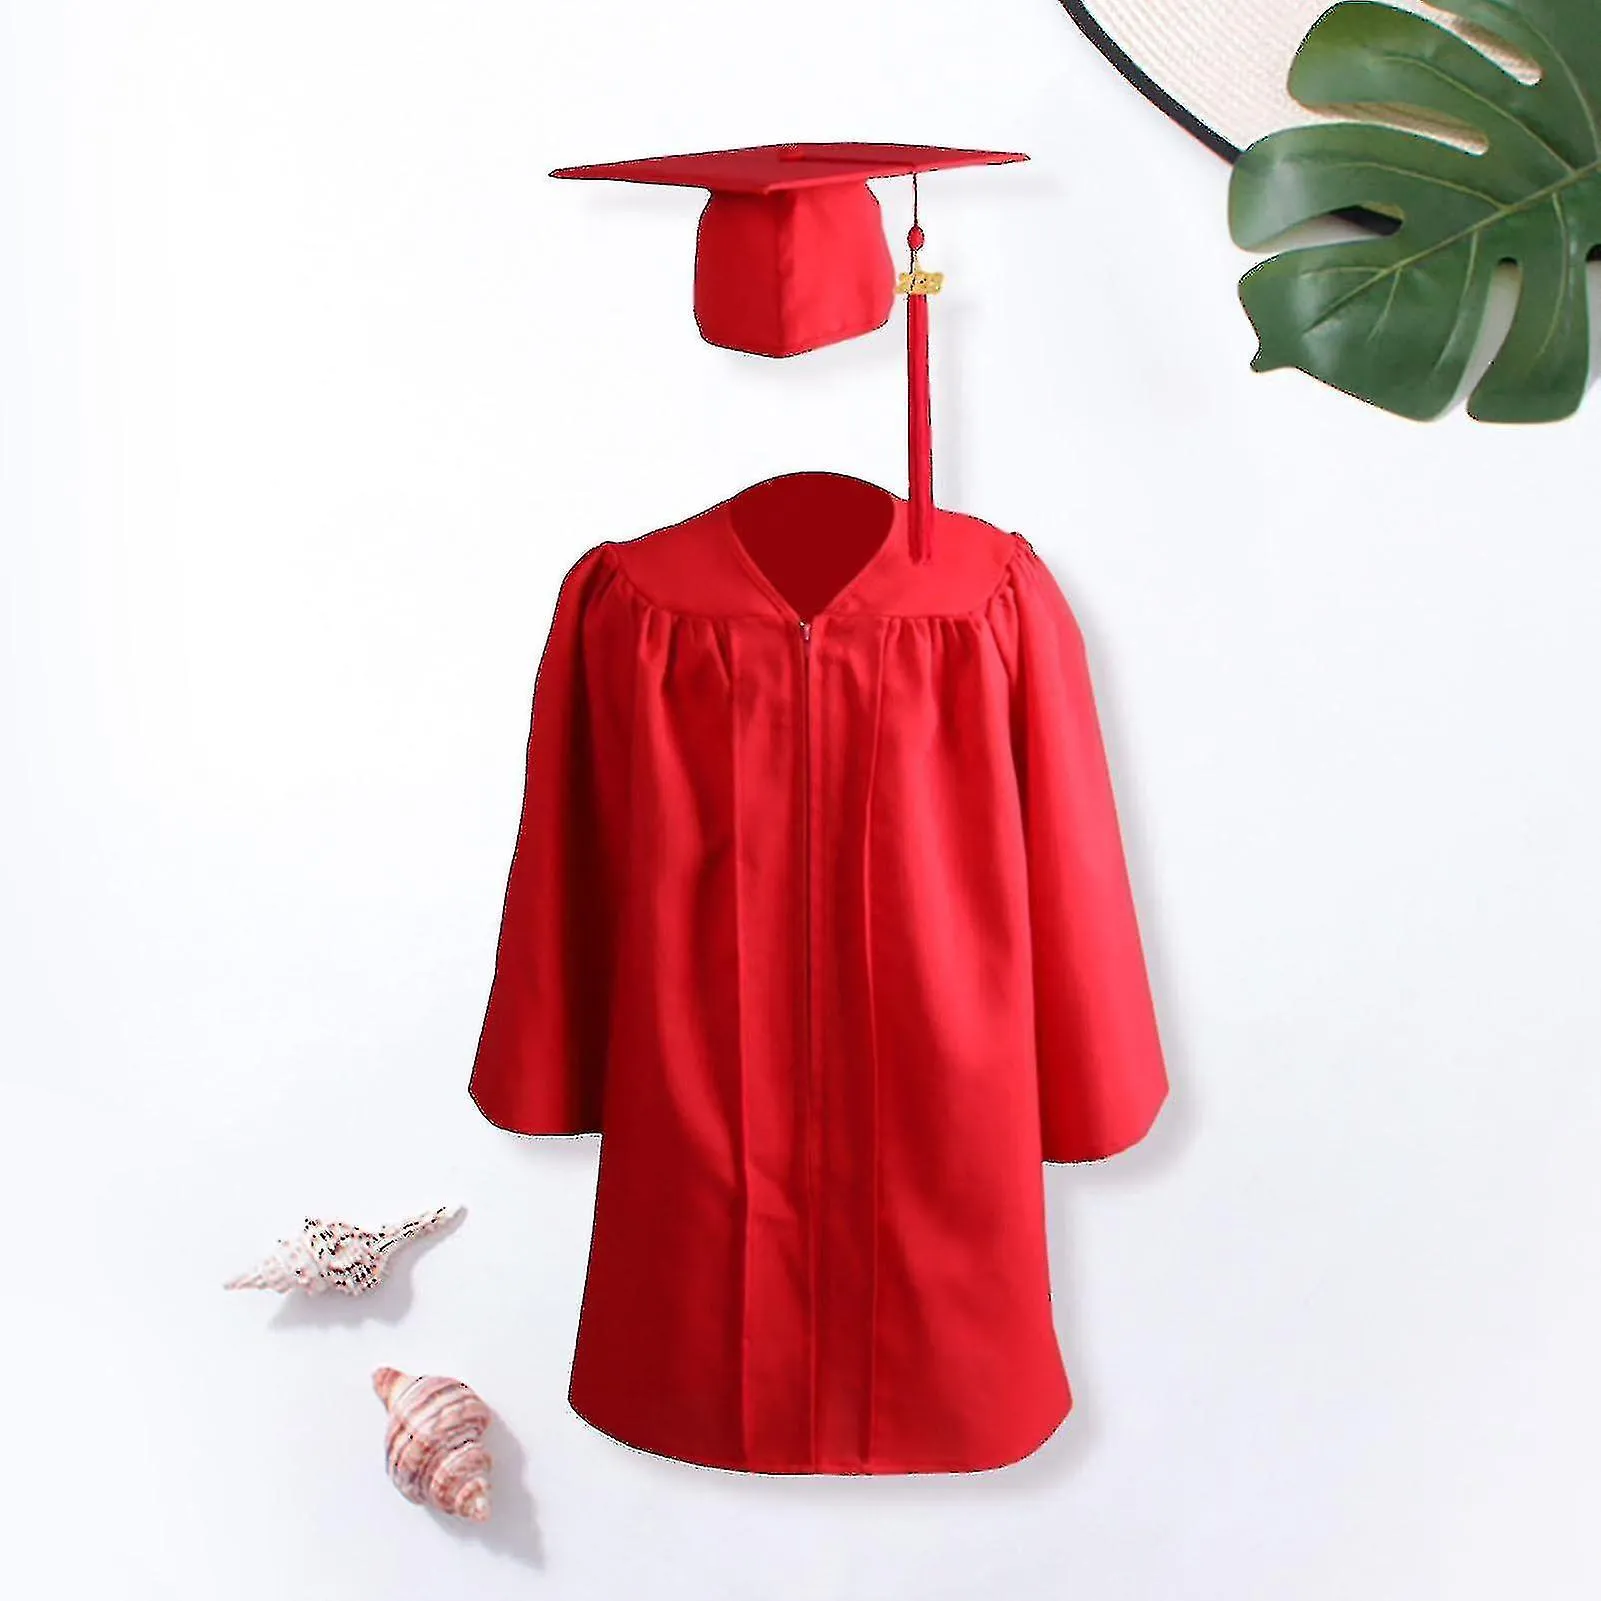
{"points": [[1395, 319]]}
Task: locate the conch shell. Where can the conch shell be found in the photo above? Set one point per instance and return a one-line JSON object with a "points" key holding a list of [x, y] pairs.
{"points": [[339, 1256], [432, 1446]]}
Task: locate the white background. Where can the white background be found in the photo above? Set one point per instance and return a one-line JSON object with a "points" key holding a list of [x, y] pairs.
{"points": [[313, 386]]}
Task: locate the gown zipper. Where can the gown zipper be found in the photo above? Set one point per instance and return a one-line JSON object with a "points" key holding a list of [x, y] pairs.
{"points": [[813, 1133], [806, 820]]}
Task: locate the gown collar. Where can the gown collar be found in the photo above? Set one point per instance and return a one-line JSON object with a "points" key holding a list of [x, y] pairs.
{"points": [[893, 545]]}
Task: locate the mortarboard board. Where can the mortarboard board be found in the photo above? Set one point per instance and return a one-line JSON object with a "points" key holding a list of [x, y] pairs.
{"points": [[790, 256]]}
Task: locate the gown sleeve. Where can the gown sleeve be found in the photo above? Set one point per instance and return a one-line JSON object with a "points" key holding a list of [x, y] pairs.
{"points": [[1102, 1077], [539, 1065]]}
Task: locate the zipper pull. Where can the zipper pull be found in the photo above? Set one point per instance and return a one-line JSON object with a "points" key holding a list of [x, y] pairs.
{"points": [[806, 633]]}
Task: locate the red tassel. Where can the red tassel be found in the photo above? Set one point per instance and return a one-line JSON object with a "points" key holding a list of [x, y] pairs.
{"points": [[920, 440]]}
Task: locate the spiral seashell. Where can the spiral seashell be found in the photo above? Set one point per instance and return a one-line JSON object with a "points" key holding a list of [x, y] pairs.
{"points": [[339, 1256], [432, 1445]]}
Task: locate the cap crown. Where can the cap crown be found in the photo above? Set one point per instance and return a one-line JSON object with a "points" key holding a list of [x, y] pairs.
{"points": [[779, 274]]}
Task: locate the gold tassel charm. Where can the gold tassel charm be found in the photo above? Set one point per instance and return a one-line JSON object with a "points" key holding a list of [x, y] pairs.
{"points": [[917, 282]]}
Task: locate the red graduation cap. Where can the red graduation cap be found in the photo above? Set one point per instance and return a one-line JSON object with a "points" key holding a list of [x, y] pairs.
{"points": [[790, 256]]}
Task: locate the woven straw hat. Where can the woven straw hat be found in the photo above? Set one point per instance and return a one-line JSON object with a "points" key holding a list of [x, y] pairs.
{"points": [[1218, 67]]}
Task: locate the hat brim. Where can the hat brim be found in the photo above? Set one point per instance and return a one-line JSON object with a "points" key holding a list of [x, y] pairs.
{"points": [[1218, 68], [1165, 101]]}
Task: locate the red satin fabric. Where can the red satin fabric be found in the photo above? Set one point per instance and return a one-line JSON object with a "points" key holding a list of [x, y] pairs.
{"points": [[832, 939], [779, 274]]}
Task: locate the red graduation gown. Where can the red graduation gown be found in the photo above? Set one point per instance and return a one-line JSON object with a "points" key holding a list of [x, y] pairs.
{"points": [[819, 914]]}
